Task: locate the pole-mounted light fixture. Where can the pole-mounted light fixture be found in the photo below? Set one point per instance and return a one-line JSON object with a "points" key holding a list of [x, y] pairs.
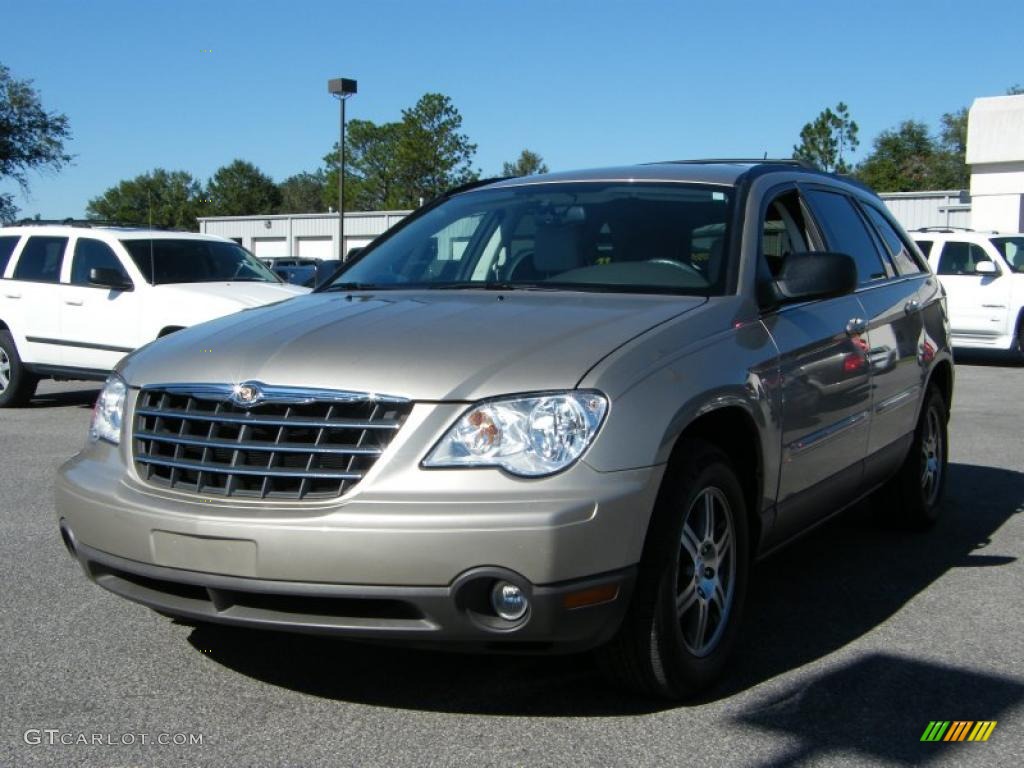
{"points": [[341, 88]]}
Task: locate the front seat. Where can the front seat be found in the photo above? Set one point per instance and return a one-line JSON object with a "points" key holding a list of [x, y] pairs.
{"points": [[556, 249]]}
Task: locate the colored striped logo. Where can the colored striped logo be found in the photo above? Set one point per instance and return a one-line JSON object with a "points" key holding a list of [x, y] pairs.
{"points": [[958, 730]]}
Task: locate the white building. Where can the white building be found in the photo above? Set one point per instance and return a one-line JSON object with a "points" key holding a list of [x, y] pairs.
{"points": [[995, 152], [313, 235]]}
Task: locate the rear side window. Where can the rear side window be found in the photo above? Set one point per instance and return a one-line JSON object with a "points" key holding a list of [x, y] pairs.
{"points": [[925, 246], [93, 254], [904, 260], [7, 246], [960, 258], [846, 233], [41, 259]]}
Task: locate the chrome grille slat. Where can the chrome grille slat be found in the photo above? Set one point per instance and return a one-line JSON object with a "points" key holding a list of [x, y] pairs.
{"points": [[282, 448], [253, 445], [228, 469], [269, 422]]}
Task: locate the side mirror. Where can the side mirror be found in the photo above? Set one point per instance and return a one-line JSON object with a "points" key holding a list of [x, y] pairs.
{"points": [[806, 276], [104, 277], [986, 268]]}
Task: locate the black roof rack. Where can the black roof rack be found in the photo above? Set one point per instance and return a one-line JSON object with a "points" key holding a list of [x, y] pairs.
{"points": [[72, 222], [742, 161], [945, 228]]}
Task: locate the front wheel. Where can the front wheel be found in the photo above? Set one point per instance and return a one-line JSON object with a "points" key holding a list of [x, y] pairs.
{"points": [[682, 621], [17, 385]]}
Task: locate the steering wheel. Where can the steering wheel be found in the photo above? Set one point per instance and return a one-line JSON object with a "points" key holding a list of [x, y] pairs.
{"points": [[513, 264]]}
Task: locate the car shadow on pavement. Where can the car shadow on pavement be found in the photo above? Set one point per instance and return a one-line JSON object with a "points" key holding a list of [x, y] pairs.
{"points": [[84, 398], [814, 597], [879, 707]]}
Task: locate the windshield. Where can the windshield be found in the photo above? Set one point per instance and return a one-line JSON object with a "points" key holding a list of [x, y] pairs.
{"points": [[625, 237], [195, 261], [1012, 249]]}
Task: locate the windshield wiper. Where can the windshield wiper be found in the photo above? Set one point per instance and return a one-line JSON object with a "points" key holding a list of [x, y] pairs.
{"points": [[489, 286], [351, 287]]}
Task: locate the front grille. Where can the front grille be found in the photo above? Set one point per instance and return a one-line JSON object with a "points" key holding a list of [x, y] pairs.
{"points": [[291, 447]]}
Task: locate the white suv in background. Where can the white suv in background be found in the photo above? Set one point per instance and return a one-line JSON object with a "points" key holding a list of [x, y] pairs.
{"points": [[983, 274], [75, 299]]}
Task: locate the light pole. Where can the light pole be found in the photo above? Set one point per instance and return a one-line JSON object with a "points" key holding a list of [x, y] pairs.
{"points": [[341, 88]]}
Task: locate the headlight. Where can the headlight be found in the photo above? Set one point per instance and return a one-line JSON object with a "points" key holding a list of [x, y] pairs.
{"points": [[107, 413], [529, 436]]}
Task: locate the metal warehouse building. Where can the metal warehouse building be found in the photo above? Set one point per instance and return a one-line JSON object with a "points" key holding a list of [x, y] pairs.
{"points": [[311, 235]]}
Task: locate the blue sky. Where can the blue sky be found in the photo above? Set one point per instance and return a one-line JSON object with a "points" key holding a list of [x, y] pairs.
{"points": [[585, 83]]}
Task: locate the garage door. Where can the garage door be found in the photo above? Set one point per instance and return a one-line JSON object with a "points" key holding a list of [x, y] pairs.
{"points": [[315, 248], [270, 247]]}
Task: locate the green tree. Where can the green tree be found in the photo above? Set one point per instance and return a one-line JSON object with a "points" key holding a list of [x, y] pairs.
{"points": [[432, 153], [527, 164], [239, 189], [828, 139], [170, 199], [949, 166], [302, 193], [396, 165], [30, 137], [902, 159], [371, 168]]}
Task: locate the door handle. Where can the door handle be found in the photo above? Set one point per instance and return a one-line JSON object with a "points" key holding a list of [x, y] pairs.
{"points": [[13, 295], [73, 302], [856, 326], [912, 306]]}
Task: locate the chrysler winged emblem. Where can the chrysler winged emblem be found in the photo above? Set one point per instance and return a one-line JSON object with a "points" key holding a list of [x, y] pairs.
{"points": [[246, 395]]}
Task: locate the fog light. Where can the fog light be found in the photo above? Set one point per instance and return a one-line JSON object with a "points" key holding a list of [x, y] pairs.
{"points": [[508, 601]]}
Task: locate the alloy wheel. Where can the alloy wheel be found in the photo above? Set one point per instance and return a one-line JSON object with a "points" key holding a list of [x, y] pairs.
{"points": [[5, 370], [705, 581], [932, 454]]}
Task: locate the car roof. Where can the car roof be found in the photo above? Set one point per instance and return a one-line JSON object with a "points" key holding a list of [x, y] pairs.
{"points": [[723, 172], [119, 232]]}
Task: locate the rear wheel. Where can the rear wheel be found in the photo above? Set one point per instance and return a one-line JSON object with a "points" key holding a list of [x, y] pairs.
{"points": [[682, 621], [922, 478], [17, 385], [1017, 345]]}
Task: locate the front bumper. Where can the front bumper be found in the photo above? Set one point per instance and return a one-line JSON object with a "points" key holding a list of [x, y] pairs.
{"points": [[413, 564]]}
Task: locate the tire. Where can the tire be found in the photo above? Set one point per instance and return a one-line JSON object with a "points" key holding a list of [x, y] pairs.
{"points": [[659, 650], [1017, 345], [919, 485], [17, 385]]}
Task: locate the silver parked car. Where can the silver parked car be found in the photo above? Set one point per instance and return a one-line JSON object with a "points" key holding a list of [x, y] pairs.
{"points": [[559, 412]]}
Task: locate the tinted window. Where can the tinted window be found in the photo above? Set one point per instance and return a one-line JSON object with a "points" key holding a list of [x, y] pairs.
{"points": [[7, 245], [1012, 249], [783, 231], [845, 231], [925, 246], [93, 254], [898, 249], [40, 259], [637, 237], [959, 258], [165, 260]]}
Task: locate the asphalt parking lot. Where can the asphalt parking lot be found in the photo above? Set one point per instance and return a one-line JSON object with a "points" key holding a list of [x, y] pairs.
{"points": [[855, 638]]}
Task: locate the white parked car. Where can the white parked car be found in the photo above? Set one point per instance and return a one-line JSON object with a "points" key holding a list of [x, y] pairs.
{"points": [[75, 299], [983, 274]]}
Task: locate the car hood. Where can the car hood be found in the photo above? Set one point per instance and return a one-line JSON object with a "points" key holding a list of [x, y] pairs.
{"points": [[428, 345], [240, 294]]}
